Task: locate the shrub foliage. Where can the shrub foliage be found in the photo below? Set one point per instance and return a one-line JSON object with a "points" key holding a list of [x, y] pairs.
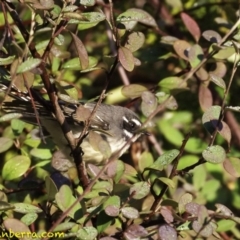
{"points": [[175, 63]]}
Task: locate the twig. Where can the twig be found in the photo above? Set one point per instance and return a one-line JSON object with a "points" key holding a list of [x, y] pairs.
{"points": [[220, 119], [173, 173], [48, 85]]}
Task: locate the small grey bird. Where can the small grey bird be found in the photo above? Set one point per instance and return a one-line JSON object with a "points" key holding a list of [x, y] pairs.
{"points": [[110, 127]]}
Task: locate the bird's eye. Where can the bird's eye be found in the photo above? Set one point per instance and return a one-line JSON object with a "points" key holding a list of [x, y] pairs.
{"points": [[132, 124]]}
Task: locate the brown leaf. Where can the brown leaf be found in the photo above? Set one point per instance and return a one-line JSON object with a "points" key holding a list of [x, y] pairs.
{"points": [[205, 97], [126, 58], [182, 47], [225, 132], [135, 41], [212, 36], [232, 166], [82, 52], [191, 25]]}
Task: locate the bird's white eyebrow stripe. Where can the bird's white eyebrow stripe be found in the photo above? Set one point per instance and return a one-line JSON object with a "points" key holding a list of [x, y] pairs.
{"points": [[99, 118], [137, 122], [127, 133], [125, 119]]}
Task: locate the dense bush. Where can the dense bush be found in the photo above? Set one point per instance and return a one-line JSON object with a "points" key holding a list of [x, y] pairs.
{"points": [[175, 63]]}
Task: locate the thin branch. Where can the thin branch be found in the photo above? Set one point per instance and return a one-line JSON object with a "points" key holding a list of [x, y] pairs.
{"points": [[173, 173]]}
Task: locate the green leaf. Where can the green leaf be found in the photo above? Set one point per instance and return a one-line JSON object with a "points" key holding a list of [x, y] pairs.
{"points": [[5, 144], [65, 199], [195, 55], [112, 206], [164, 160], [64, 226], [87, 233], [186, 161], [7, 60], [172, 83], [137, 15], [146, 160], [103, 221], [224, 53], [214, 154], [135, 41], [29, 218], [10, 116], [149, 103], [184, 199], [195, 145], [116, 170], [103, 185], [26, 208], [210, 190], [130, 212], [73, 16], [199, 177], [225, 225], [172, 134], [167, 181], [74, 63], [15, 167], [5, 206], [133, 90], [140, 190], [17, 126], [90, 19], [87, 3], [28, 65], [41, 153], [210, 118], [51, 188]]}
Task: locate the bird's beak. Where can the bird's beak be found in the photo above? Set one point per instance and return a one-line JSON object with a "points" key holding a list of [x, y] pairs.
{"points": [[146, 133]]}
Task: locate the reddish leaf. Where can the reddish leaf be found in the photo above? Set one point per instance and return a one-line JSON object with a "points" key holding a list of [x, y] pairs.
{"points": [[126, 58], [182, 47], [167, 214], [135, 231], [220, 69], [167, 232], [82, 52], [205, 97], [191, 25], [232, 166], [225, 132], [204, 230], [192, 208], [212, 36]]}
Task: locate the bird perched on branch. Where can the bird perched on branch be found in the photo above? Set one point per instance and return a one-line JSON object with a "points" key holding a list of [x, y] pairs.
{"points": [[109, 130]]}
